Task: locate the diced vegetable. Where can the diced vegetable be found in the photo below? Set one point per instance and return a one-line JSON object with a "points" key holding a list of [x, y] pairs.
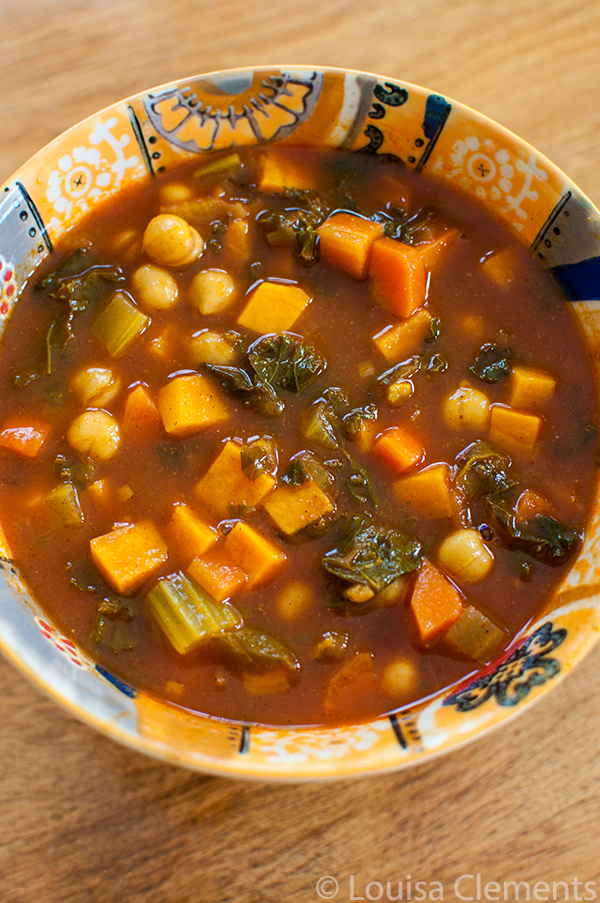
{"points": [[428, 492], [530, 388], [474, 635], [483, 471], [500, 267], [226, 165], [259, 558], [238, 239], [433, 252], [24, 435], [120, 324], [294, 507], [372, 555], [286, 362], [141, 413], [189, 404], [259, 652], [492, 363], [467, 408], [353, 683], [464, 555], [278, 172], [319, 425], [398, 277], [128, 556], [188, 533], [188, 616], [398, 342], [399, 448], [64, 502], [346, 240], [514, 431], [435, 603], [330, 646], [218, 577], [273, 307], [529, 504], [226, 489], [542, 537]]}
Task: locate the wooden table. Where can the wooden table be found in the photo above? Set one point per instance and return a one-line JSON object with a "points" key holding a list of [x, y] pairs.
{"points": [[83, 819]]}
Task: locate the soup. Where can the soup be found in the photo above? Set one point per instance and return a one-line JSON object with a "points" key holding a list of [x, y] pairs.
{"points": [[293, 437]]}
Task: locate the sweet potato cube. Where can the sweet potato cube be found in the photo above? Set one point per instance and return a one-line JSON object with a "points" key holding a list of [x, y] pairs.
{"points": [[514, 431], [273, 307], [427, 492], [24, 435], [400, 341], [237, 239], [530, 504], [128, 556], [189, 534], [257, 556], [530, 388], [346, 241], [220, 578], [500, 267], [351, 685], [473, 634], [398, 276], [433, 252], [189, 404], [226, 489], [141, 413], [399, 448], [279, 171], [295, 507], [435, 603]]}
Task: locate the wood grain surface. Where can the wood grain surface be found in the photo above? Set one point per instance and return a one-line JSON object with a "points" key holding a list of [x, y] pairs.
{"points": [[82, 819]]}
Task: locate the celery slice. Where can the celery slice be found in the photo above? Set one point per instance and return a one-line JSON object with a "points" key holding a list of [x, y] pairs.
{"points": [[258, 651], [64, 502], [474, 635], [224, 165], [119, 324], [187, 615]]}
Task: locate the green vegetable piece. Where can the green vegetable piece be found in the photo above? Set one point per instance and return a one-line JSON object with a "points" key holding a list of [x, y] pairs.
{"points": [[258, 651], [372, 554], [320, 425], [72, 469], [77, 263], [354, 419], [84, 576], [59, 334], [226, 165], [492, 363], [297, 226], [330, 647], [119, 324], [436, 364], [121, 640], [117, 607], [64, 502], [259, 457], [187, 615], [542, 537], [286, 362], [233, 379], [434, 330], [483, 471], [404, 370], [474, 635]]}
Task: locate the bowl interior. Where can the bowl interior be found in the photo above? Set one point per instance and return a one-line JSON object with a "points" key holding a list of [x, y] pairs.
{"points": [[155, 132]]}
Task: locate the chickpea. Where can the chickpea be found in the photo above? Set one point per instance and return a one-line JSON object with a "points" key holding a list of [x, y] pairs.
{"points": [[174, 193], [212, 291], [154, 287], [170, 241], [211, 348], [465, 556], [294, 600], [94, 433], [399, 678], [95, 386]]}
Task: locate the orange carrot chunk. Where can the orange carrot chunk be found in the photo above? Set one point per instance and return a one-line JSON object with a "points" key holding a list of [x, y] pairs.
{"points": [[346, 240], [24, 435], [435, 603], [399, 448], [398, 276]]}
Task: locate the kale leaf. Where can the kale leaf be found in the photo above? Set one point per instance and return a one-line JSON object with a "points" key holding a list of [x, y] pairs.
{"points": [[492, 363]]}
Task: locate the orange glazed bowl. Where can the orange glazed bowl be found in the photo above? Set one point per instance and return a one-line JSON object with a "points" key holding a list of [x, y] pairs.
{"points": [[158, 130]]}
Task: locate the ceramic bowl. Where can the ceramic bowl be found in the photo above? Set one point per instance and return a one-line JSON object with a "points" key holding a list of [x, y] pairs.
{"points": [[156, 131]]}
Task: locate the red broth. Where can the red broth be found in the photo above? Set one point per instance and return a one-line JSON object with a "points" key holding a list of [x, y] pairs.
{"points": [[337, 649]]}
